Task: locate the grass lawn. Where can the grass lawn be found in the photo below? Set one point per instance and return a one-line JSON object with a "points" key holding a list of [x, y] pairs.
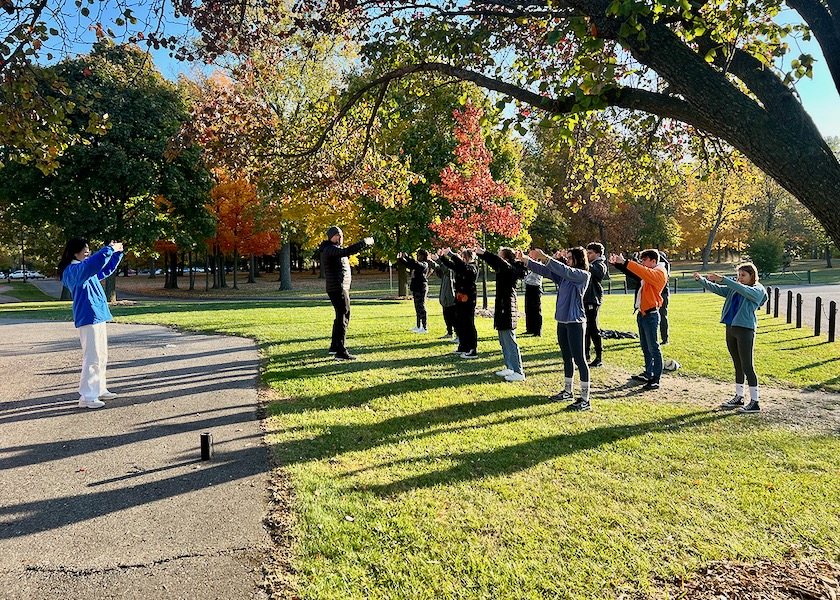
{"points": [[25, 292], [420, 475]]}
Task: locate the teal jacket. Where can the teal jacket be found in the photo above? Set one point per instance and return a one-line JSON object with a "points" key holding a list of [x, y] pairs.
{"points": [[753, 298]]}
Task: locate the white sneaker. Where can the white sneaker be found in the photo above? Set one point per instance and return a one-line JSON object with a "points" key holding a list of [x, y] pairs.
{"points": [[88, 403], [415, 329], [504, 372], [422, 330], [515, 377], [107, 396]]}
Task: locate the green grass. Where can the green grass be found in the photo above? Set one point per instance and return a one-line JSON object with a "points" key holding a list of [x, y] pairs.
{"points": [[26, 292], [418, 475]]}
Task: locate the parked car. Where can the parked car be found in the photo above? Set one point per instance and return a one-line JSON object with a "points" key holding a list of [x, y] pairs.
{"points": [[28, 275]]}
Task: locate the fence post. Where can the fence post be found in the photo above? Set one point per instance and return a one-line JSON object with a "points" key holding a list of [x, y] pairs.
{"points": [[769, 298], [776, 302], [790, 306], [799, 311], [624, 284], [832, 319], [818, 316], [676, 281], [809, 275]]}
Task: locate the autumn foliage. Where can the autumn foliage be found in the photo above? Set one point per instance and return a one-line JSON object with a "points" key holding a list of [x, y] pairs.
{"points": [[244, 225], [473, 195]]}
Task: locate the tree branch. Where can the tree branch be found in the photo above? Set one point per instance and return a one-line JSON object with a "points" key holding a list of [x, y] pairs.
{"points": [[826, 28]]}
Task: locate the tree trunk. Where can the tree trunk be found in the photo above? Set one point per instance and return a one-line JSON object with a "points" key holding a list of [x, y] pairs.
{"points": [[152, 268], [235, 268], [111, 287], [172, 271], [65, 293], [252, 269], [192, 271], [828, 256], [286, 266]]}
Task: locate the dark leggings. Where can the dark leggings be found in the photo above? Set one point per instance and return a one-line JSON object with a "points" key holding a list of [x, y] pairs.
{"points": [[741, 341], [570, 338], [593, 333], [467, 334], [420, 310], [450, 318]]}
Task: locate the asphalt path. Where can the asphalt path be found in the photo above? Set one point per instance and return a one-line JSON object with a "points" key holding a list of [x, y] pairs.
{"points": [[116, 502], [809, 303]]}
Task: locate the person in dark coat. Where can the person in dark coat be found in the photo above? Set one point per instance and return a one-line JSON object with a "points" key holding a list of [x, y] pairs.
{"points": [[664, 324], [466, 295], [592, 299], [533, 303], [506, 311], [419, 286], [334, 259], [447, 297]]}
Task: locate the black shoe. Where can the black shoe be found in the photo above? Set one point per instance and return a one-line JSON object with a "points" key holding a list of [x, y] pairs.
{"points": [[736, 402], [344, 356], [651, 385], [579, 405], [663, 342], [641, 377], [752, 407], [562, 396], [596, 363]]}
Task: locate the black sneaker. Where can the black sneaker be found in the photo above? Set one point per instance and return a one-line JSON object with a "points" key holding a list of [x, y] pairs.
{"points": [[752, 407], [344, 356], [641, 377], [579, 405], [596, 363], [736, 402], [651, 385], [562, 396]]}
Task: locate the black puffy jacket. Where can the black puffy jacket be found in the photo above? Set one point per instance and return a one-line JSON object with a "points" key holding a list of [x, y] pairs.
{"points": [[506, 311], [336, 266]]}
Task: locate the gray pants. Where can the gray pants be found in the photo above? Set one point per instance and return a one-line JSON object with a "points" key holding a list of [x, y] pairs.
{"points": [[741, 342]]}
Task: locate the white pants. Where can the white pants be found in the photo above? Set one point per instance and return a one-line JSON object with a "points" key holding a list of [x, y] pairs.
{"points": [[94, 359]]}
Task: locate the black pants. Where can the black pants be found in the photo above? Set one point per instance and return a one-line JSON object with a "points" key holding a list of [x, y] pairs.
{"points": [[420, 309], [570, 340], [663, 318], [465, 318], [341, 303], [450, 318], [741, 342], [593, 332], [533, 309]]}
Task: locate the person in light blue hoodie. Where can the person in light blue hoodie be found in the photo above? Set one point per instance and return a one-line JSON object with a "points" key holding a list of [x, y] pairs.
{"points": [[81, 274], [570, 271], [743, 298]]}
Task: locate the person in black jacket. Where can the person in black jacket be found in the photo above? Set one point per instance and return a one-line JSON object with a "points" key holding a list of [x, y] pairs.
{"points": [[419, 286], [664, 326], [592, 298], [466, 295], [506, 311], [338, 275]]}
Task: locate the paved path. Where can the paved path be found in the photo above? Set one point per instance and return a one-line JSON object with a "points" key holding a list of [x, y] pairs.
{"points": [[809, 303], [115, 502]]}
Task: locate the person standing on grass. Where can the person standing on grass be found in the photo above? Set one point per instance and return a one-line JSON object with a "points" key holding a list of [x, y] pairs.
{"points": [[446, 297], [648, 301], [81, 273], [743, 296], [334, 258], [506, 312], [570, 271], [592, 298], [419, 286], [533, 303], [664, 323], [466, 296]]}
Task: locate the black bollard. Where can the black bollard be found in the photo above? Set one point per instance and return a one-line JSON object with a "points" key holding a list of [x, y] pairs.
{"points": [[776, 302], [818, 316], [206, 445], [832, 319], [798, 311], [790, 306]]}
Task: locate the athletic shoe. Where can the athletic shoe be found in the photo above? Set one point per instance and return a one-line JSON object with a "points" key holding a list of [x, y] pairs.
{"points": [[345, 356], [663, 342], [579, 405], [515, 377], [332, 352], [736, 402], [455, 340], [562, 396], [88, 403], [107, 396], [504, 372], [446, 336], [596, 363], [752, 407], [414, 329], [457, 351], [641, 377], [651, 385], [471, 354], [422, 330]]}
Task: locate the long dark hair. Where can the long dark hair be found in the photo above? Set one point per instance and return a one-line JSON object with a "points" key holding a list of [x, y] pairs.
{"points": [[72, 248], [579, 257]]}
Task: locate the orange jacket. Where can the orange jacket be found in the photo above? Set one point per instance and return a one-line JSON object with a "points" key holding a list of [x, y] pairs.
{"points": [[655, 280]]}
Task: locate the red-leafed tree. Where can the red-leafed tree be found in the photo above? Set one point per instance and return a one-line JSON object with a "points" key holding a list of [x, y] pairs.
{"points": [[474, 196]]}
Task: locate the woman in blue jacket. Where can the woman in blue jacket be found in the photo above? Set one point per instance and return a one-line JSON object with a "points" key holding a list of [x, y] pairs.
{"points": [[743, 298], [570, 271], [80, 273]]}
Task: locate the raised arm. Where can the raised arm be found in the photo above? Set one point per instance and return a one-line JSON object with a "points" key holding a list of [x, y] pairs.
{"points": [[755, 294], [333, 251]]}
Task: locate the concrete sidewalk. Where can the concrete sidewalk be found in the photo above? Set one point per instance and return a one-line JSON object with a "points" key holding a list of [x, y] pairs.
{"points": [[115, 502]]}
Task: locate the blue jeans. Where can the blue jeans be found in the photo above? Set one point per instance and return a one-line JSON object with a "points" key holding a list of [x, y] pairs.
{"points": [[510, 350], [649, 339]]}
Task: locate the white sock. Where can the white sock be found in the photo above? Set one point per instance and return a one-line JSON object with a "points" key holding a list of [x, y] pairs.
{"points": [[739, 389], [584, 391], [754, 393], [569, 383]]}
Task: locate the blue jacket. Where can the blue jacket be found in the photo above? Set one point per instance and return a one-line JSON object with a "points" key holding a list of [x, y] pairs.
{"points": [[752, 298], [82, 279], [571, 284]]}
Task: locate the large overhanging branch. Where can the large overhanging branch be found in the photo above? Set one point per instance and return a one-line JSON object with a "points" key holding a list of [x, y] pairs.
{"points": [[826, 28]]}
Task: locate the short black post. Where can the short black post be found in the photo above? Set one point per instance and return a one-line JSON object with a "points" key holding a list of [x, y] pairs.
{"points": [[790, 306], [818, 316], [609, 286], [206, 445], [832, 319], [625, 286], [676, 281], [809, 275], [769, 299], [799, 311], [776, 302]]}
